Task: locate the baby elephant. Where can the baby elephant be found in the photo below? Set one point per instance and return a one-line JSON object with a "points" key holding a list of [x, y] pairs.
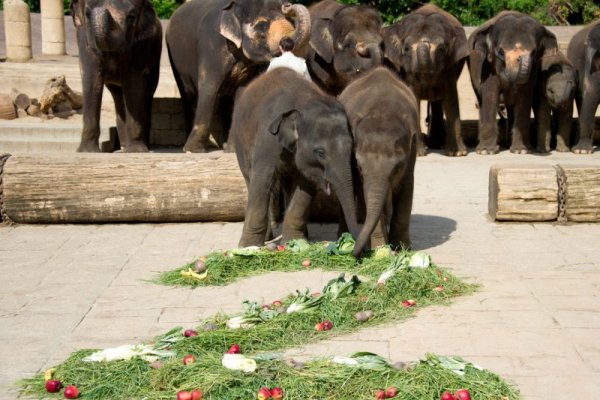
{"points": [[553, 102], [384, 120], [288, 133]]}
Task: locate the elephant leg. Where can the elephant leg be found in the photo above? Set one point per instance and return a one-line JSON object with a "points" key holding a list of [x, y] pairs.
{"points": [[138, 105], [563, 134], [117, 95], [453, 144], [92, 86], [435, 130], [488, 129], [402, 198], [298, 211], [257, 208], [520, 126], [586, 123], [543, 121]]}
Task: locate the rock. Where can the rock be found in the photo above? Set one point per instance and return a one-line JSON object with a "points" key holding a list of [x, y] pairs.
{"points": [[7, 107]]}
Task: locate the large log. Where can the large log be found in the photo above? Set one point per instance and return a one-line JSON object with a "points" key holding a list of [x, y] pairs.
{"points": [[545, 193], [92, 188]]}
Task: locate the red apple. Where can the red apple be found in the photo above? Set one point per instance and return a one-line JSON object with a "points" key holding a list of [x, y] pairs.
{"points": [[445, 279], [184, 395], [380, 394], [53, 386], [196, 394], [439, 288], [306, 263], [320, 327], [189, 359], [447, 396], [409, 303], [327, 325], [391, 392], [277, 393], [190, 333], [234, 349], [71, 392], [264, 393], [462, 394], [277, 303], [280, 248]]}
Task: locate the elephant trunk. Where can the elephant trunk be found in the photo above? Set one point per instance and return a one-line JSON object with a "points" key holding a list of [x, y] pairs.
{"points": [[524, 69], [371, 50], [301, 34], [424, 60], [100, 26], [376, 192], [344, 189]]}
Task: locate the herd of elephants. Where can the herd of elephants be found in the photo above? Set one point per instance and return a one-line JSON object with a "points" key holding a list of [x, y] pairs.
{"points": [[355, 128]]}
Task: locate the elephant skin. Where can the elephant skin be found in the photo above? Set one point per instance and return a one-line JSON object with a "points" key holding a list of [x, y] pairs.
{"points": [[504, 61], [428, 49], [344, 42], [584, 53], [216, 46], [386, 149], [119, 46], [289, 134], [553, 102]]}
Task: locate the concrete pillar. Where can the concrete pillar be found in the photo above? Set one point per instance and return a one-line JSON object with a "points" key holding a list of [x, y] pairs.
{"points": [[17, 29], [53, 27]]}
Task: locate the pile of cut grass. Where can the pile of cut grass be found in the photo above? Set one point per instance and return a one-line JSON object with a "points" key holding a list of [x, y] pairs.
{"points": [[319, 379]]}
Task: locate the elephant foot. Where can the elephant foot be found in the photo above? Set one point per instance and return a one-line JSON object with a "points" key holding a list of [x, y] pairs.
{"points": [[228, 147], [456, 151], [561, 148], [136, 147], [542, 150], [487, 150], [289, 234], [197, 146], [88, 147], [584, 146], [516, 149]]}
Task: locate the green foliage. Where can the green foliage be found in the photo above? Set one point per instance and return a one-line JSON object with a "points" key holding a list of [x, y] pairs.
{"points": [[165, 8]]}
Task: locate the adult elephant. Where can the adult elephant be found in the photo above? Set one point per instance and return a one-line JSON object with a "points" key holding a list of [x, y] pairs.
{"points": [[504, 64], [289, 134], [584, 53], [553, 103], [428, 49], [119, 46], [216, 46], [344, 42], [386, 150]]}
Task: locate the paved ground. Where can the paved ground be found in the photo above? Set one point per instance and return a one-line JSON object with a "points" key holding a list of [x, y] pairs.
{"points": [[536, 319]]}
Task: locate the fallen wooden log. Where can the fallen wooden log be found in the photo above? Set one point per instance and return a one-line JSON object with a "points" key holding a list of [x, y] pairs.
{"points": [[153, 187], [544, 193]]}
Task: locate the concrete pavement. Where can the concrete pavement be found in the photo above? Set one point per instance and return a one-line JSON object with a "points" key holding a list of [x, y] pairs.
{"points": [[535, 320]]}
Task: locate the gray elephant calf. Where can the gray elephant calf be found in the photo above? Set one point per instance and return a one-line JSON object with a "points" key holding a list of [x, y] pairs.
{"points": [[553, 102], [386, 150], [289, 134]]}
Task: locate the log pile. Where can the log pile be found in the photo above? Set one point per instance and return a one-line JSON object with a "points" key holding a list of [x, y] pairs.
{"points": [[57, 99], [95, 188], [545, 193]]}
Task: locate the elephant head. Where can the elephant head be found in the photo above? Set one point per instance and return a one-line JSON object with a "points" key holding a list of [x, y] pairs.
{"points": [[425, 42], [560, 81], [349, 38], [112, 25], [510, 46], [256, 27], [318, 136]]}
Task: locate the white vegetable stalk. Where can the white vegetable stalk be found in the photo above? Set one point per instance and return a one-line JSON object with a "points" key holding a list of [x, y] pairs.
{"points": [[238, 362], [127, 352]]}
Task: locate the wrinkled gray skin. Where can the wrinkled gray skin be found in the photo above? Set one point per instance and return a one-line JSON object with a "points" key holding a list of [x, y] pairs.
{"points": [[217, 46], [553, 102], [119, 46], [504, 64], [584, 54], [428, 48], [385, 149], [345, 41], [289, 134]]}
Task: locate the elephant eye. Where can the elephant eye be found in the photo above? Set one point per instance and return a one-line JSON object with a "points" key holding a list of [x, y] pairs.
{"points": [[261, 26], [88, 12], [320, 153], [406, 48], [500, 53], [441, 49], [130, 18]]}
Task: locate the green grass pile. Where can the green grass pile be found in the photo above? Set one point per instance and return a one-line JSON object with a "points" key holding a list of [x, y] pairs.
{"points": [[320, 379]]}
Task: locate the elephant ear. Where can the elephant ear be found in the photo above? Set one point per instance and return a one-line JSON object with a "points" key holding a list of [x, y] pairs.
{"points": [[549, 44], [321, 39], [230, 25], [393, 46], [461, 46], [284, 126], [76, 13], [479, 45]]}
